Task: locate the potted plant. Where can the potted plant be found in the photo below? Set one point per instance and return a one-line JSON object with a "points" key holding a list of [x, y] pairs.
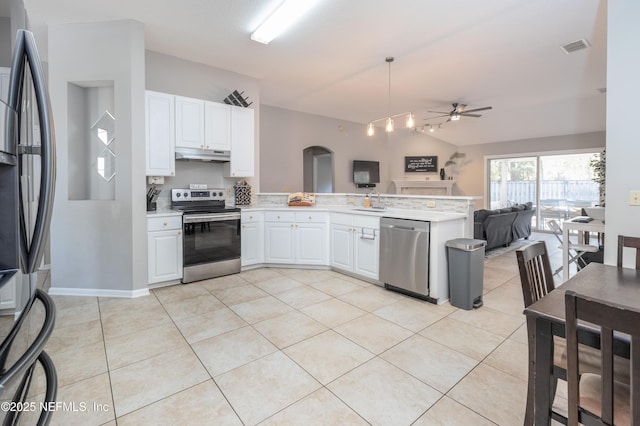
{"points": [[452, 162], [599, 165]]}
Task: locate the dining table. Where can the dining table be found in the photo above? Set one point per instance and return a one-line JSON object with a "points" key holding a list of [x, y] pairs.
{"points": [[605, 282], [576, 224]]}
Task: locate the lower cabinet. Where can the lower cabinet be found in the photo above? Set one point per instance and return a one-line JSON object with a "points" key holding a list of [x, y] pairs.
{"points": [[252, 238], [164, 242], [347, 242], [296, 237], [355, 244]]}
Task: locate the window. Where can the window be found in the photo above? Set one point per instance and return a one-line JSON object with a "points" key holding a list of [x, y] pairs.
{"points": [[559, 185]]}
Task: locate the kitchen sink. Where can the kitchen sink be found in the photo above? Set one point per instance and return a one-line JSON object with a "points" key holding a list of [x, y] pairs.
{"points": [[370, 209]]}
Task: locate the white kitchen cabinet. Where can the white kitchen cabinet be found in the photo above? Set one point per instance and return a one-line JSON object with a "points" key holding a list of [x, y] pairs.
{"points": [[296, 238], [217, 126], [242, 143], [160, 134], [252, 236], [164, 239], [189, 122], [355, 244], [342, 247], [279, 242]]}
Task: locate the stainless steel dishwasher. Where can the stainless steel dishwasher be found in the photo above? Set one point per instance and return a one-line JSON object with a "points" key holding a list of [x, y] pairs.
{"points": [[404, 256]]}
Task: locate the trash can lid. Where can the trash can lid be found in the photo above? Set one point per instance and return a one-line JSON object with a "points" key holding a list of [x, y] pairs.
{"points": [[468, 244]]}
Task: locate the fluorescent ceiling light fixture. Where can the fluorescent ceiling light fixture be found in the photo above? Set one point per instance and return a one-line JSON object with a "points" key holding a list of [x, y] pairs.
{"points": [[281, 19]]}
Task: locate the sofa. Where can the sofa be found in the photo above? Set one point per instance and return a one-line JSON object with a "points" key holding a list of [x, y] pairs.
{"points": [[503, 226]]}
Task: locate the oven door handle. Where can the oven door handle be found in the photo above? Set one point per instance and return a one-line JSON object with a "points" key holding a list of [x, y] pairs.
{"points": [[193, 218]]}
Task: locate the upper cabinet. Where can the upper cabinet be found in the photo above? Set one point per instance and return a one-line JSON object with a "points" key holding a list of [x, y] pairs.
{"points": [[242, 141], [177, 121], [217, 126], [190, 123], [159, 134]]}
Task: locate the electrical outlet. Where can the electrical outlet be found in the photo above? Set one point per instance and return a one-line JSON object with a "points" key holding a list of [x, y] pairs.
{"points": [[430, 203], [351, 200], [634, 198]]}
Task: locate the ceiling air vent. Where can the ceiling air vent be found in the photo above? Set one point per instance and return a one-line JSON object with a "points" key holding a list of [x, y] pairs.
{"points": [[574, 46]]}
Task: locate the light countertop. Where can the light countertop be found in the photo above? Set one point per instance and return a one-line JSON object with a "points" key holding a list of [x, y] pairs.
{"points": [[164, 213], [431, 216]]}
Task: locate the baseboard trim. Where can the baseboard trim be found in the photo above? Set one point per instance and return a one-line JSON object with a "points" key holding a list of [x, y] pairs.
{"points": [[97, 292]]}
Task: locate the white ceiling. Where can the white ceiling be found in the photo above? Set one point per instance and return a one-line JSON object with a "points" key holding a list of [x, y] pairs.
{"points": [[503, 53]]}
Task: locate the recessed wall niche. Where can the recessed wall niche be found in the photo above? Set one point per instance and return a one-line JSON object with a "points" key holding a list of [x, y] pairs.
{"points": [[92, 141]]}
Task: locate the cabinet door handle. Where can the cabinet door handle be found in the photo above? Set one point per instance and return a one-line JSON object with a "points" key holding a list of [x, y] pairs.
{"points": [[164, 224], [309, 217], [179, 232], [278, 217]]}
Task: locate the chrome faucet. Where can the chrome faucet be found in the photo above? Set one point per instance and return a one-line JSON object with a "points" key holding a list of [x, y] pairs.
{"points": [[377, 194]]}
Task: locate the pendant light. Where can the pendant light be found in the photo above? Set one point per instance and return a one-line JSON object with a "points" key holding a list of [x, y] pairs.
{"points": [[389, 125]]}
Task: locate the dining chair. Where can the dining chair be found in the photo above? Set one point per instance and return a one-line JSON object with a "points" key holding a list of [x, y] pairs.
{"points": [[536, 280], [576, 251], [632, 242], [601, 398]]}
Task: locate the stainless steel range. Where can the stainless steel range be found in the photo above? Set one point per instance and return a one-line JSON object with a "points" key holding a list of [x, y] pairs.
{"points": [[211, 233]]}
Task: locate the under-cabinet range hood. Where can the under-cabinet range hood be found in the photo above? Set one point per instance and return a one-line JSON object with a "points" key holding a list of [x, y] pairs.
{"points": [[202, 154]]}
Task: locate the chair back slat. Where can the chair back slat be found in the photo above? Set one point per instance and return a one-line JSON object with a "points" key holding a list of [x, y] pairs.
{"points": [[606, 350], [536, 277], [630, 242], [635, 380], [608, 317]]}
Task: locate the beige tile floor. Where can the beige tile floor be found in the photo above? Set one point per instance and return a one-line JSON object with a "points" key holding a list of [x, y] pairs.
{"points": [[294, 347]]}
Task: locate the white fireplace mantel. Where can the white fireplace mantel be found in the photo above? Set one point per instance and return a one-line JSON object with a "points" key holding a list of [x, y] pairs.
{"points": [[405, 186]]}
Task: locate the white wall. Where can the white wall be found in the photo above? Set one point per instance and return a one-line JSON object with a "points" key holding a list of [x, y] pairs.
{"points": [[623, 148], [285, 134], [408, 143], [100, 245], [177, 76]]}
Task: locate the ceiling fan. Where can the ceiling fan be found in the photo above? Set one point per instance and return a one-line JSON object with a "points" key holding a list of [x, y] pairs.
{"points": [[459, 111]]}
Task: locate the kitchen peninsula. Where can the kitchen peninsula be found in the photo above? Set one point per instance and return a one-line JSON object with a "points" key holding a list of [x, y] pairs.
{"points": [[339, 233]]}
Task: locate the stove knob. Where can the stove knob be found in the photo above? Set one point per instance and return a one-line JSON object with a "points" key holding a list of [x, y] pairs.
{"points": [[186, 194], [220, 193], [178, 195]]}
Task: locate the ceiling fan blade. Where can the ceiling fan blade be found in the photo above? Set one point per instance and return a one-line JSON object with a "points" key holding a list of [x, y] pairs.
{"points": [[439, 112], [437, 116], [464, 114], [478, 109]]}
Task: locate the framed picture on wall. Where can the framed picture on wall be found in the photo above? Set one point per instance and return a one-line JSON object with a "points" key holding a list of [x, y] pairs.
{"points": [[425, 163]]}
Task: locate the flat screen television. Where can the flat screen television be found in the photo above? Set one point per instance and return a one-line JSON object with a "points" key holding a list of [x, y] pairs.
{"points": [[366, 173]]}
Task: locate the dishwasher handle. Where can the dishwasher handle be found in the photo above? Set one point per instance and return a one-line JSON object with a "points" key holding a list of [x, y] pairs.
{"points": [[406, 228]]}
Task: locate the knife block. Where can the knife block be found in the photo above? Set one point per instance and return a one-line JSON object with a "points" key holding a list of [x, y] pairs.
{"points": [[151, 206]]}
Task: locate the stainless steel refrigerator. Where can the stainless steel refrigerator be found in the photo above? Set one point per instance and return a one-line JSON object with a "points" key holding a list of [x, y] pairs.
{"points": [[28, 382]]}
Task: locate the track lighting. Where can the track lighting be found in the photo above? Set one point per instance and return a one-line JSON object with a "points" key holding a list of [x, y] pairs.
{"points": [[410, 121]]}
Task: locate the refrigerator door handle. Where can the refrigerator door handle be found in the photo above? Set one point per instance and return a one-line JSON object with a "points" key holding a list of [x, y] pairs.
{"points": [[26, 49], [36, 348]]}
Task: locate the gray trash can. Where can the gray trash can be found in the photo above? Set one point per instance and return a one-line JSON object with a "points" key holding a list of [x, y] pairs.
{"points": [[466, 272]]}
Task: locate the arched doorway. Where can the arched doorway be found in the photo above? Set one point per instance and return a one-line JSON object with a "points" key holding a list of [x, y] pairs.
{"points": [[317, 169]]}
